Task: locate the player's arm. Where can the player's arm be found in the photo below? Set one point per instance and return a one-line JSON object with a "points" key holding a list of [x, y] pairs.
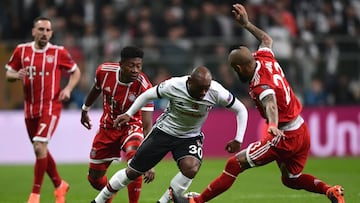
{"points": [[89, 100], [242, 18], [73, 81], [241, 122], [14, 70], [12, 76], [140, 101], [147, 121], [269, 105]]}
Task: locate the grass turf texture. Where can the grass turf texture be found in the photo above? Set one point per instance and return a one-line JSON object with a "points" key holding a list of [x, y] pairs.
{"points": [[261, 184]]}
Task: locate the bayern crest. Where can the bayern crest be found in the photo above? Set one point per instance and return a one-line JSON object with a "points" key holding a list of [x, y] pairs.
{"points": [[132, 97], [50, 58]]}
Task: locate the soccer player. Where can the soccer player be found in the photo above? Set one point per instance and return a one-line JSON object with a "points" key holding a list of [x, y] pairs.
{"points": [[178, 129], [38, 65], [120, 84], [287, 140]]}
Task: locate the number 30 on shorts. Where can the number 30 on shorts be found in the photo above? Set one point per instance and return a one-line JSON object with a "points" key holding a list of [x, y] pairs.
{"points": [[194, 149]]}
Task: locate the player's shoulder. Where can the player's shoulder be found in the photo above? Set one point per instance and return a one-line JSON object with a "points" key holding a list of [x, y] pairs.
{"points": [[108, 67], [216, 86], [264, 52], [55, 46], [144, 80], [24, 45], [174, 84]]}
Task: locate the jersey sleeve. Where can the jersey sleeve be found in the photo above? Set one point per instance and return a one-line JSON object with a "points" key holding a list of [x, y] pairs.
{"points": [[65, 61], [264, 53], [14, 63], [98, 77], [225, 97], [145, 85], [164, 88]]}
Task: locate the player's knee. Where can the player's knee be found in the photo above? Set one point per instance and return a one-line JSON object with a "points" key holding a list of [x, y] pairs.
{"points": [[130, 153], [290, 182], [96, 183], [233, 166], [189, 167]]}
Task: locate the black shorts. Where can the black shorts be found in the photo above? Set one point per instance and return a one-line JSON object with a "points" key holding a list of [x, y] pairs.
{"points": [[158, 143]]}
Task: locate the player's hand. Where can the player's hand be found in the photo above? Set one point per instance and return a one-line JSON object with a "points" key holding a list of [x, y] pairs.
{"points": [[275, 131], [85, 120], [149, 175], [240, 14], [120, 120], [64, 95], [233, 146], [21, 74]]}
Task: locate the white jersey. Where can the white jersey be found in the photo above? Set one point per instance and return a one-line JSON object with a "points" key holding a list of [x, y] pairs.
{"points": [[184, 115]]}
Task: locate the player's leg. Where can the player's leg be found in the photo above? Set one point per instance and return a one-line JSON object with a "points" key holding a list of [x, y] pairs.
{"points": [[40, 150], [51, 166], [134, 188], [105, 148], [150, 152], [188, 154], [47, 126], [257, 154], [292, 167]]}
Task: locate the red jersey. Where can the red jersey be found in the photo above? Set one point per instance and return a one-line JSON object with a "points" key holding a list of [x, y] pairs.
{"points": [[118, 96], [42, 83], [269, 78]]}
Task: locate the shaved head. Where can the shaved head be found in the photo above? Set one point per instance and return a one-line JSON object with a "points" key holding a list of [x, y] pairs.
{"points": [[201, 73], [240, 56], [243, 63], [199, 82]]}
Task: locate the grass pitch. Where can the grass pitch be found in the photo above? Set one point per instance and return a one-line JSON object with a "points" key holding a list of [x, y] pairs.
{"points": [[256, 185]]}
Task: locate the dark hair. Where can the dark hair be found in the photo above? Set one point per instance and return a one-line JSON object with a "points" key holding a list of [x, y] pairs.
{"points": [[131, 52], [40, 18]]}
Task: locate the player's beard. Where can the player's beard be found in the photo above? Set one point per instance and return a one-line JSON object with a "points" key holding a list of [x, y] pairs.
{"points": [[243, 78], [42, 42]]}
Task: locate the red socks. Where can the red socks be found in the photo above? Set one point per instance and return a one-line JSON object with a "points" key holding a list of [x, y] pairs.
{"points": [[52, 171], [134, 189], [39, 172], [306, 182], [221, 183]]}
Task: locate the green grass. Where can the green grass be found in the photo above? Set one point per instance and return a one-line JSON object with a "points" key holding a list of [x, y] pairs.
{"points": [[253, 186]]}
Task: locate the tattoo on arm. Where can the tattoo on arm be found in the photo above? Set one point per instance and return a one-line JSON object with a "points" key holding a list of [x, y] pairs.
{"points": [[271, 110], [263, 37]]}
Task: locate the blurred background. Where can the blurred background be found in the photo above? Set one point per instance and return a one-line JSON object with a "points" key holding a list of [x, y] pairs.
{"points": [[316, 41]]}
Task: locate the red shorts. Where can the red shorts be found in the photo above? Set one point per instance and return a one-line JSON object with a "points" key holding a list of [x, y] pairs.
{"points": [[41, 128], [108, 143], [290, 152]]}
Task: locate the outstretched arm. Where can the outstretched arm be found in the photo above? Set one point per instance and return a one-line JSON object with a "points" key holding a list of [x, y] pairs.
{"points": [[139, 102], [242, 18]]}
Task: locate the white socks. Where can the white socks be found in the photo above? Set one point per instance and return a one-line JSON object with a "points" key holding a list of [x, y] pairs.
{"points": [[179, 184], [118, 181]]}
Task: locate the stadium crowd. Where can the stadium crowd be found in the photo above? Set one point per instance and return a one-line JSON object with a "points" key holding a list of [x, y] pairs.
{"points": [[316, 40]]}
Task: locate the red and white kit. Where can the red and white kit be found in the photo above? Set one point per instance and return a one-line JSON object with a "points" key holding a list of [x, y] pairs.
{"points": [[293, 150]]}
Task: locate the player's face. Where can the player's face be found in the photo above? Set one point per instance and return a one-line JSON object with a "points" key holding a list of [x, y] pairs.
{"points": [[240, 71], [130, 69], [42, 33], [198, 89]]}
